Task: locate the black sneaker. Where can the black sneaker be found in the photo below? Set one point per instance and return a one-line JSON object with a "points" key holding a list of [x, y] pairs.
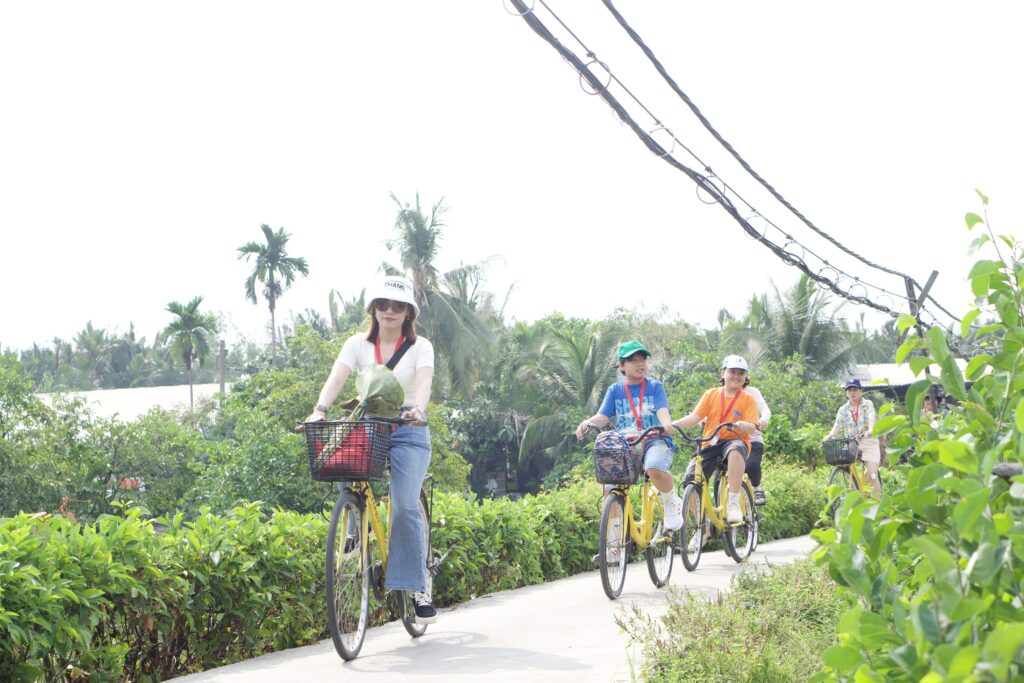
{"points": [[425, 612]]}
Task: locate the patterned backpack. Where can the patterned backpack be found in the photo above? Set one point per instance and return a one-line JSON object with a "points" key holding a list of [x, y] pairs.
{"points": [[614, 460]]}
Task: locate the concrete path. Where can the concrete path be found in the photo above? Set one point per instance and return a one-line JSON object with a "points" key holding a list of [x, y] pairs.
{"points": [[560, 631]]}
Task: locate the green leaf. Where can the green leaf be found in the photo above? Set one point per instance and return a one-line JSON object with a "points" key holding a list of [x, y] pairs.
{"points": [[1018, 416], [965, 324], [959, 456], [841, 658], [937, 344], [972, 219], [982, 196], [915, 399], [979, 285], [964, 661], [1001, 646], [905, 348], [919, 363], [952, 379], [984, 267], [975, 366], [941, 562], [904, 322], [983, 565], [967, 511]]}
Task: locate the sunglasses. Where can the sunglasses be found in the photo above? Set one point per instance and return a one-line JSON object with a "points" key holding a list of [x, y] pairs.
{"points": [[382, 305]]}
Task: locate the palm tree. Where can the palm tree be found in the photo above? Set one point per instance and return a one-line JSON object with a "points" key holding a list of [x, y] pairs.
{"points": [[454, 312], [572, 368], [800, 321], [187, 335], [275, 269]]}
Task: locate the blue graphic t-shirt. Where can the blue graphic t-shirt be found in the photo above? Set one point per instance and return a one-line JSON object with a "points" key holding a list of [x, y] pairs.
{"points": [[616, 406]]}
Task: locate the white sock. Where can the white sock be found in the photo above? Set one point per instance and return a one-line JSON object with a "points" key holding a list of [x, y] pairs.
{"points": [[734, 498]]}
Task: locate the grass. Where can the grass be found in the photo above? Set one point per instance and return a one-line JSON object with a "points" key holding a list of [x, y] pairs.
{"points": [[766, 629]]}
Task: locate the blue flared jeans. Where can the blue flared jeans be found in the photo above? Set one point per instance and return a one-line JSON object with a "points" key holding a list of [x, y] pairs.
{"points": [[407, 561]]}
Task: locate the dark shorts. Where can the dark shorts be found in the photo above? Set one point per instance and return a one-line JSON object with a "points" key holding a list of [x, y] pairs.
{"points": [[716, 456]]}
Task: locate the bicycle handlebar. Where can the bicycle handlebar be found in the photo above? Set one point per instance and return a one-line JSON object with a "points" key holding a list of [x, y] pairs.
{"points": [[300, 425], [632, 442], [702, 439]]}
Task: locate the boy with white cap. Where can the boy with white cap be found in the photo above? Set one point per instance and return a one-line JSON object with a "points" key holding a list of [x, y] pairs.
{"points": [[729, 403]]}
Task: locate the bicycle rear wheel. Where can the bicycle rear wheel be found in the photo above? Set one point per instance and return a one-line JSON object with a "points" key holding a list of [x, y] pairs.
{"points": [[613, 547], [405, 603], [739, 540], [691, 534], [348, 578], [660, 551]]}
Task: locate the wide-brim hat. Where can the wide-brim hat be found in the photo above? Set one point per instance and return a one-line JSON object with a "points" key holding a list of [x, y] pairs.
{"points": [[627, 349], [396, 288]]}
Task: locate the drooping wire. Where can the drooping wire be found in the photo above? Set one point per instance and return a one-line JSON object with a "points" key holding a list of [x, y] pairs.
{"points": [[707, 124], [702, 181]]}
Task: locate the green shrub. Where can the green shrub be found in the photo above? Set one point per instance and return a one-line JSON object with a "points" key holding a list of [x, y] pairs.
{"points": [[936, 567], [770, 627]]}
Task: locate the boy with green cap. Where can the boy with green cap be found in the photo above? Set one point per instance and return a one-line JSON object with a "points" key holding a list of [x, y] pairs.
{"points": [[632, 406]]}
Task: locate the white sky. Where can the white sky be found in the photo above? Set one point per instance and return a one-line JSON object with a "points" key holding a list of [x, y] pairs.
{"points": [[142, 143]]}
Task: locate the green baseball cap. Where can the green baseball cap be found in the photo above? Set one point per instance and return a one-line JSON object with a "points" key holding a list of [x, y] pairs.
{"points": [[627, 349]]}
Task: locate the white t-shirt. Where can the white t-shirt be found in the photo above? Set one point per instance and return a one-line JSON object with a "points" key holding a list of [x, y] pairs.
{"points": [[357, 353], [763, 412]]}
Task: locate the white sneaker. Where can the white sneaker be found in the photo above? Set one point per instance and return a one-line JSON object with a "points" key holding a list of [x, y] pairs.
{"points": [[732, 509], [674, 514]]}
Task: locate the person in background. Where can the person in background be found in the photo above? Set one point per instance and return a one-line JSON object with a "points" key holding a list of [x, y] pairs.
{"points": [[764, 414], [856, 420]]}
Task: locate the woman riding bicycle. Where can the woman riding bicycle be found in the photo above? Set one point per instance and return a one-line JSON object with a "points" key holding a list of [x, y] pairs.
{"points": [[727, 404], [392, 331], [856, 419]]}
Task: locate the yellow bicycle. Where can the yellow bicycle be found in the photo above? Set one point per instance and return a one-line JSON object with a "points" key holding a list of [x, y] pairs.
{"points": [[356, 453], [704, 512], [844, 456], [620, 530]]}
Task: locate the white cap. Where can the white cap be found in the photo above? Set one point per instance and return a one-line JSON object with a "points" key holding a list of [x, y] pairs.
{"points": [[735, 362], [396, 288]]}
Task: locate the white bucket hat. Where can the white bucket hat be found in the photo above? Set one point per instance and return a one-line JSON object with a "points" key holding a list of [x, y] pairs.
{"points": [[735, 362], [396, 288]]}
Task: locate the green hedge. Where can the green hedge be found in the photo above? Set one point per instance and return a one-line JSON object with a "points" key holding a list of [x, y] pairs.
{"points": [[124, 598]]}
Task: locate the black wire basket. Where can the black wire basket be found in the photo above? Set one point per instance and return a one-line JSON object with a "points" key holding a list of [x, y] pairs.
{"points": [[840, 451], [348, 450]]}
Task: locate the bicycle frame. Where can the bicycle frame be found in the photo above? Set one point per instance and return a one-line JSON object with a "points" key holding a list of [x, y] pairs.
{"points": [[715, 513], [640, 531]]}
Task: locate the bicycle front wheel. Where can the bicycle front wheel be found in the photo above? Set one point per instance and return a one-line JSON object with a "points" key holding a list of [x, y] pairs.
{"points": [[839, 475], [691, 534], [740, 539], [661, 549], [348, 576], [405, 603], [613, 546]]}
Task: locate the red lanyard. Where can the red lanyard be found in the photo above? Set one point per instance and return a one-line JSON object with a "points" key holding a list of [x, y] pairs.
{"points": [[376, 348], [629, 397], [725, 411], [855, 414]]}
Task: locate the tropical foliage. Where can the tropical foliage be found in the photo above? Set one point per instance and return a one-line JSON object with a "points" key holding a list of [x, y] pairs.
{"points": [[934, 568], [188, 336], [275, 269]]}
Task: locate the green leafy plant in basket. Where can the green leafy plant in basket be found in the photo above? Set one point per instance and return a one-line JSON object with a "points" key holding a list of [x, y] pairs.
{"points": [[378, 394]]}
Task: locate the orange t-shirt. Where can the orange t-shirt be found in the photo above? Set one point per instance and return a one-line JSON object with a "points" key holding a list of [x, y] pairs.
{"points": [[712, 405]]}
